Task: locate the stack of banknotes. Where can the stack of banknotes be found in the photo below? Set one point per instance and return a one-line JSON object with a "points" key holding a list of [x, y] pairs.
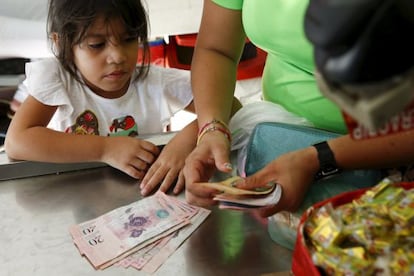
{"points": [[141, 235], [241, 199]]}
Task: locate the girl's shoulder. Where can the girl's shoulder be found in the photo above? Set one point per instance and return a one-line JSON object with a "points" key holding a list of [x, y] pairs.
{"points": [[46, 77], [45, 71], [44, 63], [44, 68]]}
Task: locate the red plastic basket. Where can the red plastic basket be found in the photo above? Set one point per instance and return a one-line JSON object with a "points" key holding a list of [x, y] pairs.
{"points": [[301, 260]]}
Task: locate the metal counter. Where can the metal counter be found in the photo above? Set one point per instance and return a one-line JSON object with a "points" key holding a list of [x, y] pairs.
{"points": [[36, 213]]}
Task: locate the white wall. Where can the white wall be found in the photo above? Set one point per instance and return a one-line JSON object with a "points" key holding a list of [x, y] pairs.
{"points": [[23, 24]]}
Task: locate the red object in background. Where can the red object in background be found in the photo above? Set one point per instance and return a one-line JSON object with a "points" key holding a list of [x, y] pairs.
{"points": [[157, 48], [401, 122], [302, 264], [181, 47], [252, 68]]}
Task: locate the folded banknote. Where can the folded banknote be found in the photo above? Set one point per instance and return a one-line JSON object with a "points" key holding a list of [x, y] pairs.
{"points": [[236, 198]]}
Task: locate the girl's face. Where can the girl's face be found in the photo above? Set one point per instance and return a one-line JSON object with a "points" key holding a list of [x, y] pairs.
{"points": [[107, 57]]}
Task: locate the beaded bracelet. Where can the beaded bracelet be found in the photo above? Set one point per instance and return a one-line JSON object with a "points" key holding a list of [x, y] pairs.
{"points": [[225, 131], [214, 121]]}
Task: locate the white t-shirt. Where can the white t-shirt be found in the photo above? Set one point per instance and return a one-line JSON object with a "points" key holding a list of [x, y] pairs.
{"points": [[146, 107]]}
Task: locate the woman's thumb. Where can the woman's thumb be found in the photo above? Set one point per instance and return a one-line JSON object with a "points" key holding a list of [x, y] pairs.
{"points": [[223, 163]]}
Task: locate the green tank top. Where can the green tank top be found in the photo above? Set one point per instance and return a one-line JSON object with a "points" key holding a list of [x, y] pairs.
{"points": [[276, 26]]}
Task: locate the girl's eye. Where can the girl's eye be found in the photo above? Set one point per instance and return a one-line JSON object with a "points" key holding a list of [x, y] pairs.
{"points": [[96, 45]]}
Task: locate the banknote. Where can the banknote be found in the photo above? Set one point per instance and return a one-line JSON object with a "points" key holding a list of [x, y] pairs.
{"points": [[174, 243], [179, 207], [150, 258], [118, 233], [141, 235], [138, 259], [227, 201], [228, 186], [240, 199]]}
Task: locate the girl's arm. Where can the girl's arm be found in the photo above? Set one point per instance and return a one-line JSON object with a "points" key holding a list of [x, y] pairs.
{"points": [[28, 138]]}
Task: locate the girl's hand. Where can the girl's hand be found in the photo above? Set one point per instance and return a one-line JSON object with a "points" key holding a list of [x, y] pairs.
{"points": [[212, 153], [130, 155]]}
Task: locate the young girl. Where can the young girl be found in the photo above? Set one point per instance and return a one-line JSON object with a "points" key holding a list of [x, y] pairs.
{"points": [[94, 87]]}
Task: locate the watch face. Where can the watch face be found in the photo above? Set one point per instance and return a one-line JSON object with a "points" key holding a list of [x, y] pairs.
{"points": [[327, 171]]}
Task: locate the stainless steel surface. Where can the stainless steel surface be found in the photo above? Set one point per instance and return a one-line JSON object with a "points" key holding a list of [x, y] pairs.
{"points": [[36, 213]]}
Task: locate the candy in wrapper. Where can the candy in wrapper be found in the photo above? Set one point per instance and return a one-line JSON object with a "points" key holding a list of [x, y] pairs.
{"points": [[355, 233], [376, 224], [404, 231], [379, 246], [402, 262], [329, 227], [403, 212], [358, 252], [347, 212], [334, 261], [384, 194], [374, 191]]}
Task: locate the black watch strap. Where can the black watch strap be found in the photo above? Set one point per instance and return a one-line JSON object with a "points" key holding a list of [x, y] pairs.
{"points": [[327, 163]]}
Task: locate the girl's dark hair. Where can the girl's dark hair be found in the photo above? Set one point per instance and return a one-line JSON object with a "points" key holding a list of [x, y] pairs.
{"points": [[71, 19]]}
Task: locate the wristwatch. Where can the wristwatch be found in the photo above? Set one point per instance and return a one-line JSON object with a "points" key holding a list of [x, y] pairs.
{"points": [[327, 163]]}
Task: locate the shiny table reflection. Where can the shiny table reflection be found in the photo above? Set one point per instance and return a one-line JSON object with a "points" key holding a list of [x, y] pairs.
{"points": [[36, 214]]}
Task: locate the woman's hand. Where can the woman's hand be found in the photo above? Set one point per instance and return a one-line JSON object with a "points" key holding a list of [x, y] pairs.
{"points": [[167, 169], [211, 153], [293, 171]]}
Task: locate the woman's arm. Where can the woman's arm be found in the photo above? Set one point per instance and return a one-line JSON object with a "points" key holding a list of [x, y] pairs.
{"points": [[295, 170], [220, 43], [167, 169], [382, 152]]}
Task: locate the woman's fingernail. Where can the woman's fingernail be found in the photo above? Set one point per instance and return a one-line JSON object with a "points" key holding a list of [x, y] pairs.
{"points": [[228, 166], [271, 184]]}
